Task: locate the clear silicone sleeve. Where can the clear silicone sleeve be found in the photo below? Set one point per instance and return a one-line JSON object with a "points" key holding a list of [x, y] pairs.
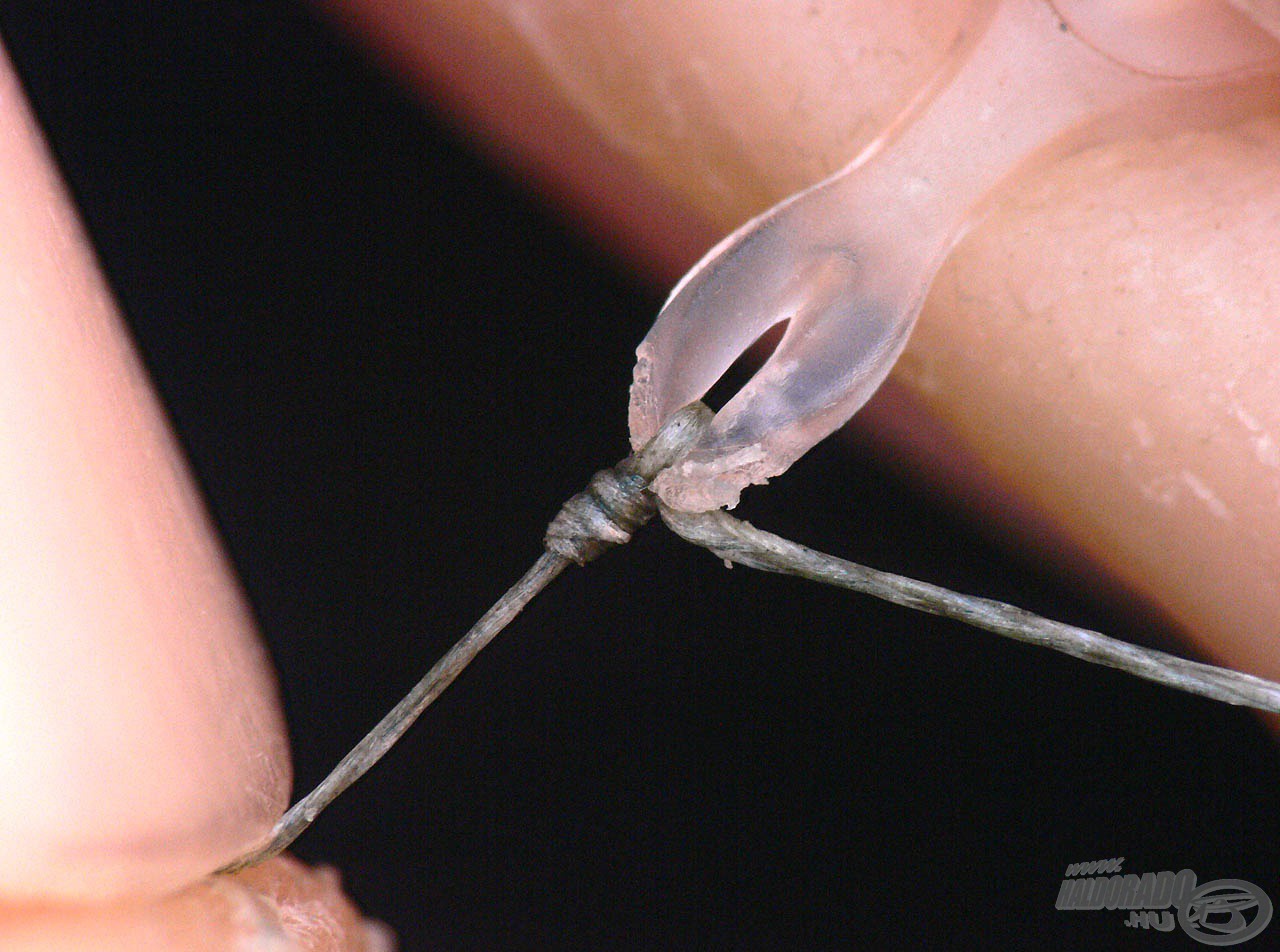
{"points": [[847, 263]]}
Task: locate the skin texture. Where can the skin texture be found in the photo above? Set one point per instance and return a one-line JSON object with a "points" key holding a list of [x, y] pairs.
{"points": [[1097, 356], [1023, 389], [1265, 13], [143, 741], [116, 599], [280, 906]]}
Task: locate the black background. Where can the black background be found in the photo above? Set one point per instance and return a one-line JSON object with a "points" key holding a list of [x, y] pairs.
{"points": [[389, 365]]}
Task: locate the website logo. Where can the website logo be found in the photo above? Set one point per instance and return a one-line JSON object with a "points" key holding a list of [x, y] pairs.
{"points": [[1222, 912]]}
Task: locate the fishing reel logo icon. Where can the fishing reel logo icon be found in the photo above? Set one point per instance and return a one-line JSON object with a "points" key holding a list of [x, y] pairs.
{"points": [[1225, 912]]}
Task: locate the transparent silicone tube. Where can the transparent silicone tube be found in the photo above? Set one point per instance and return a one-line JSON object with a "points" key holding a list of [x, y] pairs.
{"points": [[848, 263]]}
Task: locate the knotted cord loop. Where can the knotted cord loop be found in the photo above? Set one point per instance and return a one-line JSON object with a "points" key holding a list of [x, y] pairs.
{"points": [[617, 501], [613, 506]]}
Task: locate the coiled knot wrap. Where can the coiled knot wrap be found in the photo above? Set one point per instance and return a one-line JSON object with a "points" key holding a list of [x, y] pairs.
{"points": [[617, 501]]}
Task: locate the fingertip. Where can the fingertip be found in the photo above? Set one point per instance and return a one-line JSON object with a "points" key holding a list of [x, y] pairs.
{"points": [[143, 739], [280, 905]]}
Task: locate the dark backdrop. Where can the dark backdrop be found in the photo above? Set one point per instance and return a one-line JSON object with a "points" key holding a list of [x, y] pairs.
{"points": [[389, 365]]}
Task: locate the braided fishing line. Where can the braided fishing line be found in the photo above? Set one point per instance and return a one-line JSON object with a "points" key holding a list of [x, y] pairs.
{"points": [[617, 501]]}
